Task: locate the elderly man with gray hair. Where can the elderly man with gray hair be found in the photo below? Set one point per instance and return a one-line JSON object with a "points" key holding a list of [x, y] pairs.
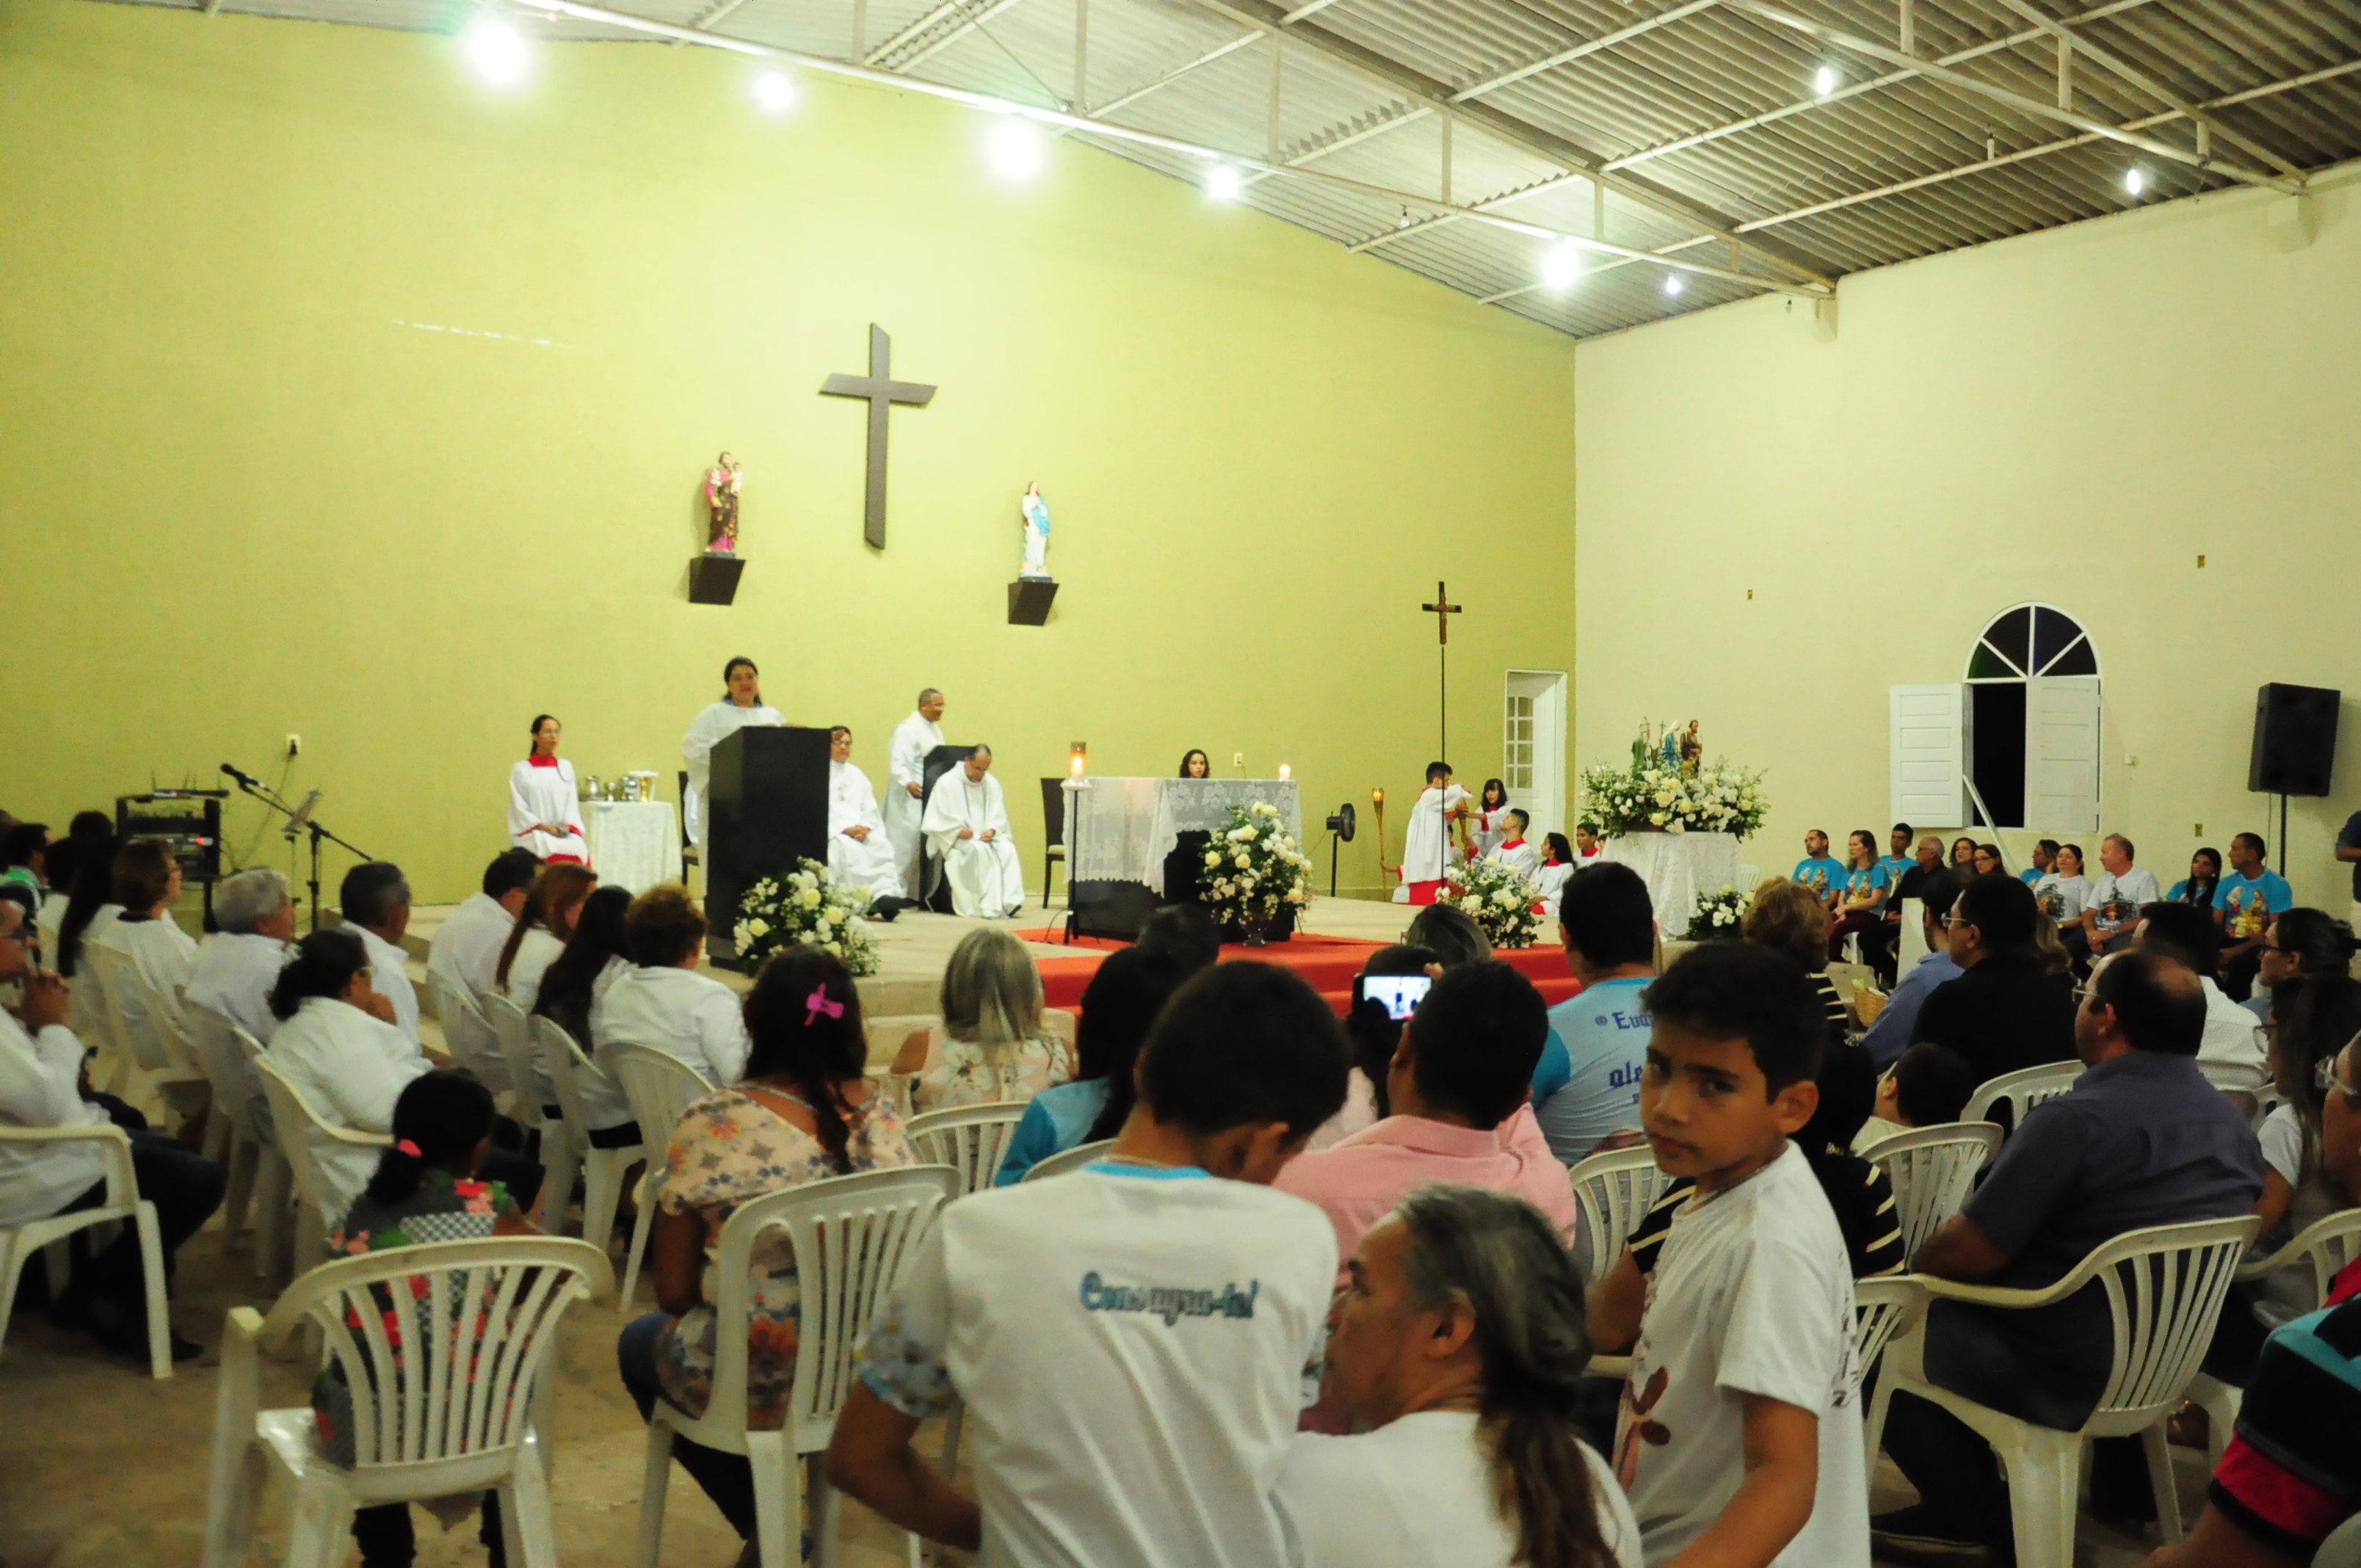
{"points": [[231, 977]]}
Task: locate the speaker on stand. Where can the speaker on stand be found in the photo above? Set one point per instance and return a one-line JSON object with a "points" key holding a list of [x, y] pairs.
{"points": [[2294, 751]]}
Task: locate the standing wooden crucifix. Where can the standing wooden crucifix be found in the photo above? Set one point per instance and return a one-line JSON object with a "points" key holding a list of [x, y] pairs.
{"points": [[883, 392], [1443, 610]]}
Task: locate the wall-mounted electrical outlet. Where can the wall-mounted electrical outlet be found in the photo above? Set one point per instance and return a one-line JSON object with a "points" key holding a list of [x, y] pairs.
{"points": [[294, 745], [1238, 760]]}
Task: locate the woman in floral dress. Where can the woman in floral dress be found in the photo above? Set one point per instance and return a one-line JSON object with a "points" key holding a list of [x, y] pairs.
{"points": [[803, 1113], [991, 1048]]}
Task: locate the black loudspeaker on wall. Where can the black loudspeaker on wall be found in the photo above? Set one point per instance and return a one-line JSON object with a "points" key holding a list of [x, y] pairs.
{"points": [[1115, 910], [2295, 739]]}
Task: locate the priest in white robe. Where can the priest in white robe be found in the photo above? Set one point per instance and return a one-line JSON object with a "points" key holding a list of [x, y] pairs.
{"points": [[906, 780], [967, 826], [859, 852], [1426, 847], [742, 705]]}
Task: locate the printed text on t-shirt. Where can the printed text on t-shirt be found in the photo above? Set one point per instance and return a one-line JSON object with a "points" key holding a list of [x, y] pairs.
{"points": [[1167, 1301]]}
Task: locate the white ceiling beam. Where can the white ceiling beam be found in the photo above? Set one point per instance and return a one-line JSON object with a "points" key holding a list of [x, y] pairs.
{"points": [[1488, 204], [969, 22], [1390, 118], [1962, 82], [1568, 56], [1507, 127], [1061, 119], [1219, 51], [2025, 155], [2070, 42]]}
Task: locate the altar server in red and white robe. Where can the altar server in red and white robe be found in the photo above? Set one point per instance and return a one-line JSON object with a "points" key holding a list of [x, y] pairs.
{"points": [[544, 814]]}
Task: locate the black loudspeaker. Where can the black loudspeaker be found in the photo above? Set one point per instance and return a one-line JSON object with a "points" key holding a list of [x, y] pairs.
{"points": [[2295, 739], [1115, 910]]}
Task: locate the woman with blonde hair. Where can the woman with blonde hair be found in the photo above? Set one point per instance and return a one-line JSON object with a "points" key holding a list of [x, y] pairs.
{"points": [[991, 1048]]}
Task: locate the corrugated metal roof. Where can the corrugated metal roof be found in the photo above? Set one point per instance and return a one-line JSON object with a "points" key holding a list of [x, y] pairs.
{"points": [[1710, 125]]}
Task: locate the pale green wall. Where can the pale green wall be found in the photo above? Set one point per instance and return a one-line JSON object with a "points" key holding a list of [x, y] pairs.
{"points": [[242, 497], [2072, 416]]}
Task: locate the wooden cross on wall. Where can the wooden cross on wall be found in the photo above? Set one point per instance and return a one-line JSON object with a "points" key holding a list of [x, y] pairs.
{"points": [[1443, 610], [883, 392]]}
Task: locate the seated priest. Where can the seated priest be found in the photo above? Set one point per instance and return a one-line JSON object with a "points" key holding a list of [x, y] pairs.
{"points": [[859, 853], [966, 826]]}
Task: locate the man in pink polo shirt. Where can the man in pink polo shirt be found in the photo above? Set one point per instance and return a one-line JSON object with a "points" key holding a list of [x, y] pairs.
{"points": [[1457, 1085]]}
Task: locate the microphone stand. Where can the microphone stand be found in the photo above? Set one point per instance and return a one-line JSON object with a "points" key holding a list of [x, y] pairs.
{"points": [[270, 797]]}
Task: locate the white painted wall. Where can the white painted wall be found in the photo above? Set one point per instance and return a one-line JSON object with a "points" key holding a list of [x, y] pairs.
{"points": [[2073, 417]]}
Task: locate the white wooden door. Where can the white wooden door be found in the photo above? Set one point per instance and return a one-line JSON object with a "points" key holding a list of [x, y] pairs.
{"points": [[1533, 748], [1927, 754], [2062, 754]]}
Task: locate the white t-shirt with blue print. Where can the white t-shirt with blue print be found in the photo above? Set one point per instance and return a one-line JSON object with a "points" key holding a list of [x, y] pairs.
{"points": [[1131, 1343], [1603, 1030]]}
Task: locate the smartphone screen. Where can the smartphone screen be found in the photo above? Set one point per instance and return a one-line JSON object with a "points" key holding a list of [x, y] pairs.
{"points": [[1400, 994]]}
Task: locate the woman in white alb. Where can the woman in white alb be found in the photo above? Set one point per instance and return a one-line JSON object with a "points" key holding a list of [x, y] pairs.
{"points": [[544, 815], [154, 952], [336, 1045], [741, 706]]}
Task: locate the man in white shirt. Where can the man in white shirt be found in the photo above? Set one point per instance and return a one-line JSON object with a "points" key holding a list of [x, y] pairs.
{"points": [[906, 782], [1130, 1340], [967, 828], [860, 853], [464, 958], [2118, 894], [1426, 844], [375, 903], [2232, 1035], [1513, 851], [231, 980], [662, 1002], [40, 1086]]}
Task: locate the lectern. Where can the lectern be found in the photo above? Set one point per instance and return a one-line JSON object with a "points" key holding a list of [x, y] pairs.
{"points": [[765, 809]]}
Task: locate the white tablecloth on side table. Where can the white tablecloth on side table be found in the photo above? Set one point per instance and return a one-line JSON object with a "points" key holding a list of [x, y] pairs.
{"points": [[1121, 829], [634, 843], [1677, 867]]}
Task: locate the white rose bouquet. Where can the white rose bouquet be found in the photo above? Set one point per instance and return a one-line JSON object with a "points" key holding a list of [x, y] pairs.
{"points": [[804, 907], [1719, 798], [1253, 870], [1717, 915], [1500, 902]]}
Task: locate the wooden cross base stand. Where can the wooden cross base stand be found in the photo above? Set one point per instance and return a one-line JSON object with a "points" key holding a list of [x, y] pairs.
{"points": [[1029, 599]]}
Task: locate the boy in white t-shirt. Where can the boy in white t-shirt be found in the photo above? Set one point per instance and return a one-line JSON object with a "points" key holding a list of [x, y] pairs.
{"points": [[1131, 1340], [1739, 1438]]}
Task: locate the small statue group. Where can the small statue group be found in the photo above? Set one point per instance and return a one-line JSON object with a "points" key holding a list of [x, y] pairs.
{"points": [[1680, 752], [723, 482]]}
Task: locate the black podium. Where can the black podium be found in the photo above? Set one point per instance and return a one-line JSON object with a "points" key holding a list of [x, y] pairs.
{"points": [[934, 889], [765, 809]]}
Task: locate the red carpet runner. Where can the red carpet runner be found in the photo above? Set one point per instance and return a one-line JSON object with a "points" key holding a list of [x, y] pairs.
{"points": [[1328, 963]]}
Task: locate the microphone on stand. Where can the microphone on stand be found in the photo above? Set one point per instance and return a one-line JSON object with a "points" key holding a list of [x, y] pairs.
{"points": [[249, 780]]}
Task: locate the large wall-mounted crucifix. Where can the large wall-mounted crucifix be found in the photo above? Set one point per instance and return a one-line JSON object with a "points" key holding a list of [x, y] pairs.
{"points": [[883, 392]]}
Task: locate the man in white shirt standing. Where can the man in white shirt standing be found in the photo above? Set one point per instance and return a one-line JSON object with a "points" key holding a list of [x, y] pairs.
{"points": [[906, 782], [2118, 894], [1426, 843], [967, 828], [375, 903], [465, 955], [1130, 1340], [860, 853]]}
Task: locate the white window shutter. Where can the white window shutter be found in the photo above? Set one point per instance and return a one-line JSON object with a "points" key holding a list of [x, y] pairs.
{"points": [[1927, 754], [2062, 754]]}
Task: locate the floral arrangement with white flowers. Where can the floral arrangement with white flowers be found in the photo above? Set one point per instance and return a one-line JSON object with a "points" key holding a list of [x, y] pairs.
{"points": [[807, 906], [1719, 798], [1253, 868], [1502, 903], [1717, 915]]}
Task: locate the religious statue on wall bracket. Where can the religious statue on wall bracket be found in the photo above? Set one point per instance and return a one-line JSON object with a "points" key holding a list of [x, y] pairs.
{"points": [[713, 574], [1030, 595]]}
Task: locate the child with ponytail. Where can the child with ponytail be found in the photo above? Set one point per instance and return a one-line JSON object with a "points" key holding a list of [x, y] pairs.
{"points": [[425, 1189]]}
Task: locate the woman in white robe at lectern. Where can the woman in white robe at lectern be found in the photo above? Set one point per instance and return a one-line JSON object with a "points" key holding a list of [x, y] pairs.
{"points": [[741, 706], [544, 814]]}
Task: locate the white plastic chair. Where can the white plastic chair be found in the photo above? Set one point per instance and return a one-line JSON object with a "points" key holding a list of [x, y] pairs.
{"points": [[468, 1035], [475, 1417], [2164, 1287], [274, 1179], [1612, 1193], [512, 1034], [658, 1086], [852, 1235], [1932, 1170], [231, 1136], [2243, 1082], [1884, 1310], [2329, 1246], [1911, 939], [1074, 1158], [970, 1139], [570, 1151], [1749, 878], [123, 1202], [2023, 1089], [296, 1124], [157, 1054]]}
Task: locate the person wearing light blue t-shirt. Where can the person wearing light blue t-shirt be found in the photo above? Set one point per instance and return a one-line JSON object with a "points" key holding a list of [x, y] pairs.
{"points": [[2045, 859], [1609, 929], [1898, 857], [2247, 903], [1818, 870]]}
